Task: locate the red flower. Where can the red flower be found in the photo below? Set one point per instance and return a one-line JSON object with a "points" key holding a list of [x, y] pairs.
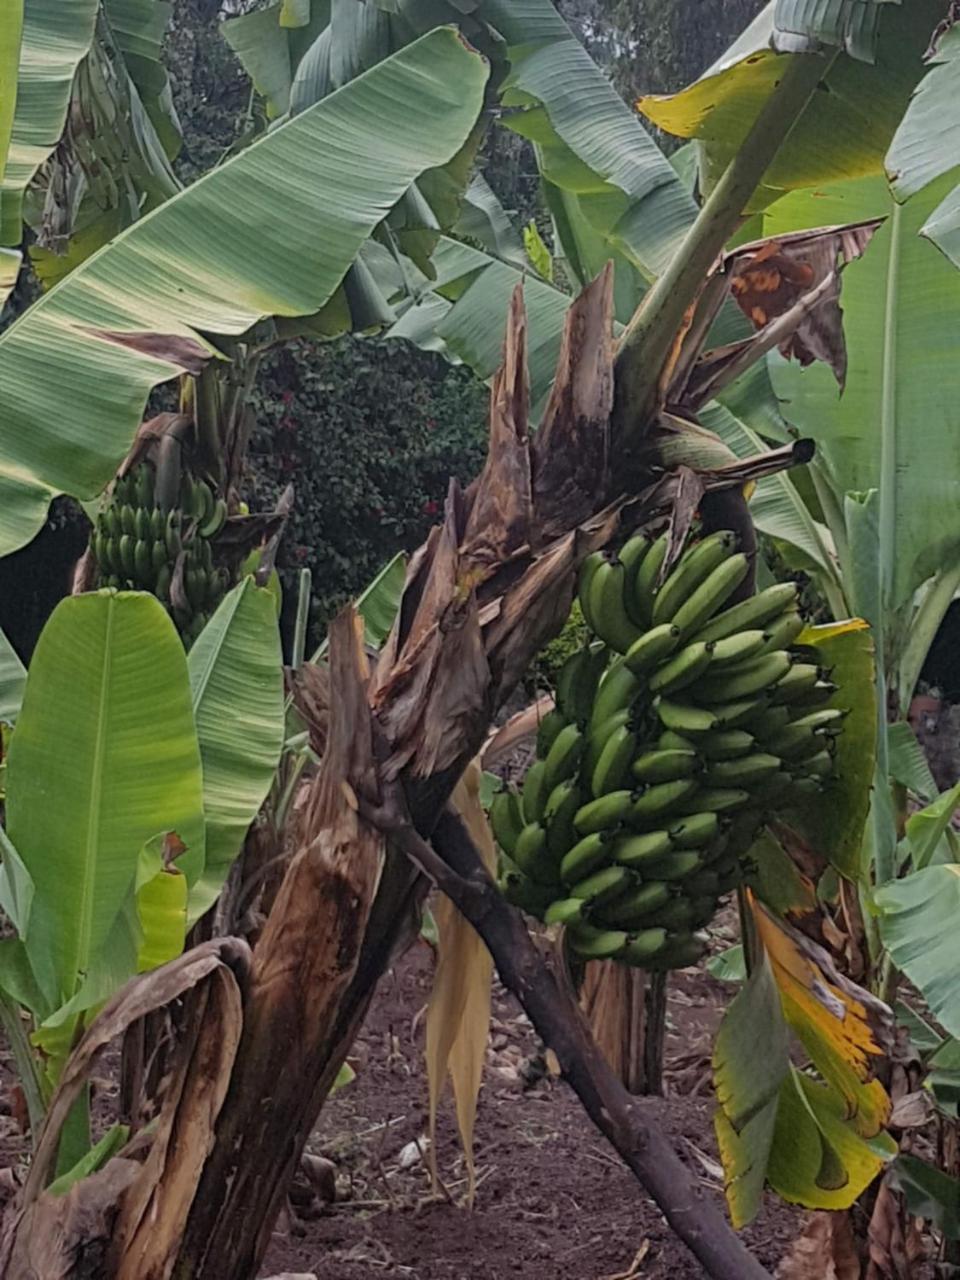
{"points": [[286, 397], [430, 508]]}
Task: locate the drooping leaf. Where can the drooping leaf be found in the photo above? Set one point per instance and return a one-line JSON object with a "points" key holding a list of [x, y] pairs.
{"points": [[270, 232], [750, 1062], [236, 678], [484, 219], [845, 1030], [537, 252], [845, 129], [817, 1159], [13, 677], [55, 37], [103, 758], [898, 389], [928, 1193], [834, 823], [918, 917], [139, 26], [458, 1012], [804, 24]]}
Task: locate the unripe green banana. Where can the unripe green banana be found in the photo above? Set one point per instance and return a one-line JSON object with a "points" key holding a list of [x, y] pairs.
{"points": [[597, 739], [204, 556], [566, 911], [143, 485], [632, 554], [547, 731], [596, 944], [588, 568], [641, 589], [807, 788], [670, 741], [768, 722], [695, 830], [111, 520], [817, 695], [617, 691], [711, 595], [702, 884], [747, 771], [821, 765], [726, 744], [128, 520], [558, 817], [683, 669], [532, 856], [796, 742], [798, 681], [755, 612], [164, 578], [535, 791], [636, 851], [773, 788], [215, 521], [676, 914], [577, 683], [563, 758], [694, 567], [196, 586], [158, 522], [632, 909], [716, 800], [828, 720], [585, 856], [684, 718], [612, 771], [158, 555], [732, 650], [141, 521], [731, 715], [507, 819], [665, 765], [702, 910], [604, 885], [660, 799], [676, 865], [643, 947], [520, 890], [143, 562], [680, 952], [651, 648], [609, 613], [781, 633], [743, 681], [602, 814], [126, 548]]}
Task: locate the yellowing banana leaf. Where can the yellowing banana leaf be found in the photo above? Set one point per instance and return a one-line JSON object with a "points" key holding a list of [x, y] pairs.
{"points": [[56, 35], [458, 1014], [817, 1159], [846, 128], [926, 146], [104, 756], [13, 677], [750, 1062], [918, 925], [236, 678], [270, 232], [845, 1031]]}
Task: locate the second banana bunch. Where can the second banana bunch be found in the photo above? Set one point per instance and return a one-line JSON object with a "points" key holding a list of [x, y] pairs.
{"points": [[674, 734]]}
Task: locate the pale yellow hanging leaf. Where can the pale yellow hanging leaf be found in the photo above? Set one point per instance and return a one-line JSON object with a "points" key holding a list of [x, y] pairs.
{"points": [[458, 1015]]}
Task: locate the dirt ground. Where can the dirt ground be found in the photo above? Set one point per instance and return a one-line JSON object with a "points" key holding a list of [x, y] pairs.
{"points": [[553, 1199], [553, 1202]]}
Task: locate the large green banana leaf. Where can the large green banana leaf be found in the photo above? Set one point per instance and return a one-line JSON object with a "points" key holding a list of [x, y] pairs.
{"points": [[138, 27], [846, 128], [11, 30], [270, 232], [236, 675], [918, 916], [104, 757], [894, 427], [927, 144], [56, 35]]}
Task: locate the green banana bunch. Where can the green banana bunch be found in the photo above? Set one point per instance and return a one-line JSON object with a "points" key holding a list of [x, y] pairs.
{"points": [[139, 538], [672, 736]]}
